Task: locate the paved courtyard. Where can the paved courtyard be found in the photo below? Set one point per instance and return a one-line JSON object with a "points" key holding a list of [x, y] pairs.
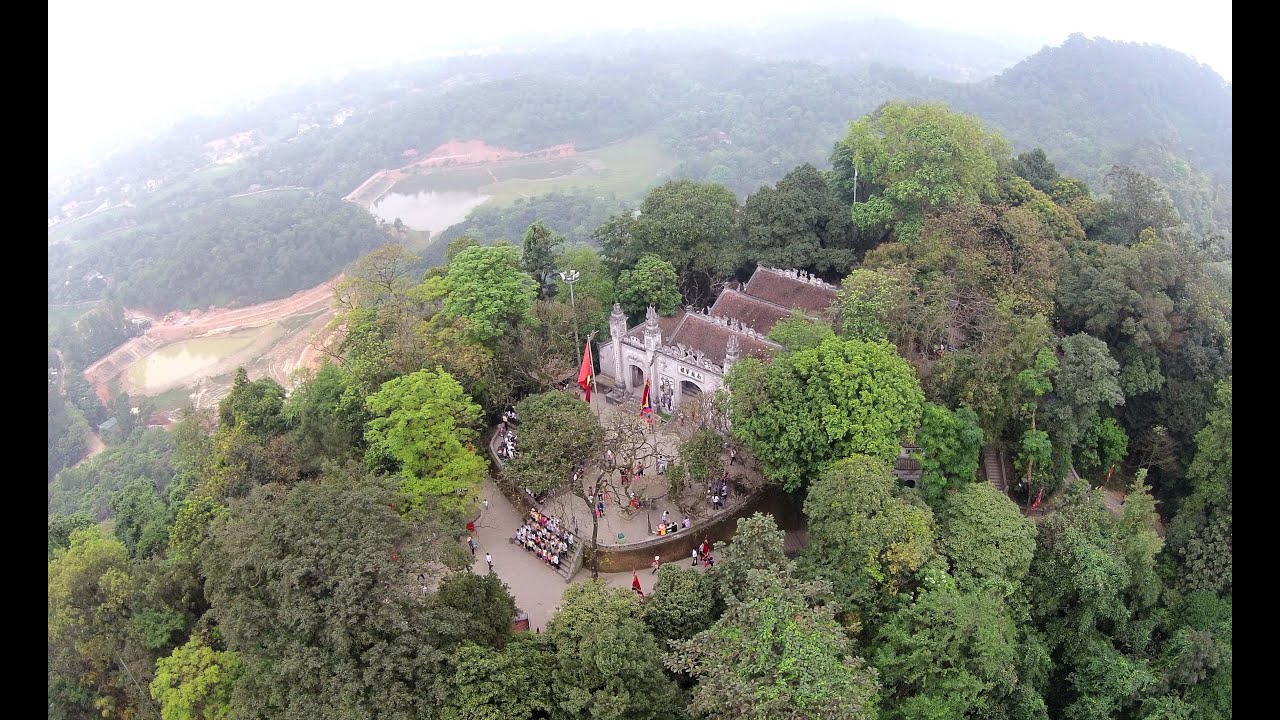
{"points": [[536, 587]]}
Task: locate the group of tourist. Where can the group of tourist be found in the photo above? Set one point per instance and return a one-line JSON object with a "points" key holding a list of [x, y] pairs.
{"points": [[543, 536], [718, 492], [507, 434], [667, 526]]}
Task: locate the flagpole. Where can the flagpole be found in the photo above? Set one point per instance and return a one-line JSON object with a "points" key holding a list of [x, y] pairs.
{"points": [[592, 362]]}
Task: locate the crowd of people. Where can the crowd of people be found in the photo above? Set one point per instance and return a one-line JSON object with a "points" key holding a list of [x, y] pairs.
{"points": [[718, 492], [546, 538], [668, 526], [507, 435]]}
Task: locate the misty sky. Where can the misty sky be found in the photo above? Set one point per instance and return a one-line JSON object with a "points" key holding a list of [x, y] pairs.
{"points": [[123, 68]]}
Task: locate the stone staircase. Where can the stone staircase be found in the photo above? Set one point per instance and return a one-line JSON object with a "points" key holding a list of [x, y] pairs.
{"points": [[567, 570], [993, 468]]}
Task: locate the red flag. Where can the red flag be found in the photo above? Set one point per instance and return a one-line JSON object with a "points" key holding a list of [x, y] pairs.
{"points": [[585, 372], [1036, 504], [646, 407], [1113, 469]]}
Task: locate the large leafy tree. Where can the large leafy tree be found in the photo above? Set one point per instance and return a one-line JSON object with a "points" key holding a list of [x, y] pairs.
{"points": [[653, 282], [314, 588], [693, 226], [798, 332], [912, 158], [949, 654], [506, 684], [1200, 533], [867, 536], [949, 446], [867, 297], [538, 258], [1088, 380], [558, 437], [985, 536], [801, 222], [820, 404], [486, 286], [1093, 589], [255, 406], [98, 663], [683, 603], [777, 653], [757, 544], [195, 682], [425, 428], [607, 664]]}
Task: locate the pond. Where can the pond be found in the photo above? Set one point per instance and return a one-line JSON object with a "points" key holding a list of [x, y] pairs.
{"points": [[183, 360], [429, 210]]}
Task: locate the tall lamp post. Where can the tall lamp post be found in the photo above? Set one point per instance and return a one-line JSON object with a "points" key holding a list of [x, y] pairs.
{"points": [[570, 277]]}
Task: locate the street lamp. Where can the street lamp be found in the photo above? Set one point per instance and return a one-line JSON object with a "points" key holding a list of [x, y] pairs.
{"points": [[570, 277]]}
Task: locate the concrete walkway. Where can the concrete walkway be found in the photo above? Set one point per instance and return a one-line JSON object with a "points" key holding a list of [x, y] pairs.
{"points": [[536, 588]]}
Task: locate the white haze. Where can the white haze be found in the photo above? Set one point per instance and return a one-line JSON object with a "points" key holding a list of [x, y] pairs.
{"points": [[123, 70]]}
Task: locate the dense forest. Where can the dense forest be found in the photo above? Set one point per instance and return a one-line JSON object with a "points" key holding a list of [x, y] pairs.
{"points": [[302, 556], [739, 119], [239, 251]]}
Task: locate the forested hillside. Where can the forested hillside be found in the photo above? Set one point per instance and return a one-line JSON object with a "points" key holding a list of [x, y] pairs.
{"points": [[237, 251], [303, 554]]}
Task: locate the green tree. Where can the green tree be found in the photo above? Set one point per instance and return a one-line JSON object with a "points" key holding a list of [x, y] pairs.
{"points": [[61, 527], [1037, 169], [865, 535], [313, 587], [682, 604], [507, 684], [653, 282], [607, 663], [777, 653], [97, 662], [757, 545], [1087, 380], [486, 286], [255, 406], [693, 226], [1136, 203], [816, 405], [538, 257], [800, 222], [949, 654], [798, 332], [424, 428], [985, 536], [559, 436], [950, 443], [195, 682], [913, 157], [866, 299], [141, 518], [1200, 534], [1103, 445]]}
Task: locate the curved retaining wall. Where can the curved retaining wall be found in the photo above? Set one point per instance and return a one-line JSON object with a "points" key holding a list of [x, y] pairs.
{"points": [[637, 555]]}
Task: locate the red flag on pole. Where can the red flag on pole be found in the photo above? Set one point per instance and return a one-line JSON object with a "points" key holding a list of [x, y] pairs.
{"points": [[1113, 469], [1036, 504], [635, 582], [646, 406], [584, 373]]}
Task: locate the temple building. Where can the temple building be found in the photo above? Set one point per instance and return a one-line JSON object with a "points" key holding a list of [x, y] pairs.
{"points": [[689, 353]]}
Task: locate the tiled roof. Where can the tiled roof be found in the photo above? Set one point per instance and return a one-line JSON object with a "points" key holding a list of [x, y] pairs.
{"points": [[781, 287], [759, 315], [702, 333], [666, 324]]}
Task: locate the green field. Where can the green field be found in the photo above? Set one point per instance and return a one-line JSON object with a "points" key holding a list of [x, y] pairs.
{"points": [[69, 313], [626, 168]]}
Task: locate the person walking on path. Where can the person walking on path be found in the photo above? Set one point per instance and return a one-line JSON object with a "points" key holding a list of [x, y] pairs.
{"points": [[654, 564], [486, 503], [489, 559], [694, 555], [733, 455], [471, 543]]}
